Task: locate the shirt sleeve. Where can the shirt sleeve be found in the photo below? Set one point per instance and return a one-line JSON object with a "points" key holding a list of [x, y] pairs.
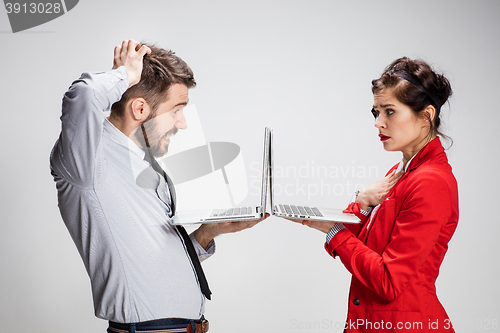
{"points": [[83, 106], [200, 251], [425, 210]]}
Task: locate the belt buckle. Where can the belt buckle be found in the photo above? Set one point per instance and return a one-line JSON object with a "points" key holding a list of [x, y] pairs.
{"points": [[200, 328], [204, 326]]}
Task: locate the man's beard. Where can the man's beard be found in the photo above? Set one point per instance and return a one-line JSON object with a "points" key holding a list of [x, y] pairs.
{"points": [[148, 134]]}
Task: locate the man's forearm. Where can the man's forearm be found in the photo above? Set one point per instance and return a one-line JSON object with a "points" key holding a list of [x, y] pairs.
{"points": [[204, 235]]}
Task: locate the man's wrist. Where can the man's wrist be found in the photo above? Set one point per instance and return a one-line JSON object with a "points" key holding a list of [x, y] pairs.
{"points": [[203, 236]]}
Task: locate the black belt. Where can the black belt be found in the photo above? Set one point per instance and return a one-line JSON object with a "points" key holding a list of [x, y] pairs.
{"points": [[170, 325]]}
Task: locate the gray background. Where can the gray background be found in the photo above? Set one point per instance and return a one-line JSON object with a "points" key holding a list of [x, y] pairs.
{"points": [[302, 67]]}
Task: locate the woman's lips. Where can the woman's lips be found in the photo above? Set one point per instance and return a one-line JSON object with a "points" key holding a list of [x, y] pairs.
{"points": [[384, 137]]}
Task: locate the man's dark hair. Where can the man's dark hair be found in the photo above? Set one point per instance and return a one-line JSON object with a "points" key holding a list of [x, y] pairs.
{"points": [[161, 68]]}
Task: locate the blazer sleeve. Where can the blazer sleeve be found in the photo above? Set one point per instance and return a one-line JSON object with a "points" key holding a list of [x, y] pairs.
{"points": [[355, 228], [424, 211]]}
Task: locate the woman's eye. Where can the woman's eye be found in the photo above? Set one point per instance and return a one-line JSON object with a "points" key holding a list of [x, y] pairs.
{"points": [[375, 113], [389, 112]]}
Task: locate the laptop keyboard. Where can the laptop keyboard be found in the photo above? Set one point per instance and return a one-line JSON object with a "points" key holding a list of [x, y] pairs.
{"points": [[237, 211], [300, 210]]}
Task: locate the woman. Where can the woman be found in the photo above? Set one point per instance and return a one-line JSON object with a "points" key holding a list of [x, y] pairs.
{"points": [[408, 217]]}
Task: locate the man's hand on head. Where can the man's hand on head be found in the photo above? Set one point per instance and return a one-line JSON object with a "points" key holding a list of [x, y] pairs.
{"points": [[130, 55]]}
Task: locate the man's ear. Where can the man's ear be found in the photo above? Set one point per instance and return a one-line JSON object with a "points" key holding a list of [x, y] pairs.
{"points": [[140, 109]]}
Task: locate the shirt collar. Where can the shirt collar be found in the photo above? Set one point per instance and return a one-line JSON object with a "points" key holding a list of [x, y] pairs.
{"points": [[432, 148], [136, 153], [400, 165], [124, 140]]}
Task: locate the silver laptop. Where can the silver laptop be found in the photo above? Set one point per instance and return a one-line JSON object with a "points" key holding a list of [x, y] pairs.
{"points": [[303, 212], [232, 214]]}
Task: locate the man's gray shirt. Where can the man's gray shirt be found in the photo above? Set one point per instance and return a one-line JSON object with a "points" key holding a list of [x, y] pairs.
{"points": [[116, 208]]}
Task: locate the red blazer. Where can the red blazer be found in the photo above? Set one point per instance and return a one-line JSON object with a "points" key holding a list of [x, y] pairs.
{"points": [[394, 256]]}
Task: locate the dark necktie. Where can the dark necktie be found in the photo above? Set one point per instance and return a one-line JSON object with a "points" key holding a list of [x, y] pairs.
{"points": [[187, 241]]}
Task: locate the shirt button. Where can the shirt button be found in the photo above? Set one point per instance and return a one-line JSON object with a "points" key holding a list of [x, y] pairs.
{"points": [[355, 301]]}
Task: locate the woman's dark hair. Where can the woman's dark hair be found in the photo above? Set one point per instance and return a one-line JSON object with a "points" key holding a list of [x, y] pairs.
{"points": [[428, 88], [161, 68]]}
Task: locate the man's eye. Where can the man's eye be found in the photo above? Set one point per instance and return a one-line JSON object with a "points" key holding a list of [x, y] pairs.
{"points": [[375, 113]]}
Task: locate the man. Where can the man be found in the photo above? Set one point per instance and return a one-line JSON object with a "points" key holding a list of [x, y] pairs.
{"points": [[115, 200]]}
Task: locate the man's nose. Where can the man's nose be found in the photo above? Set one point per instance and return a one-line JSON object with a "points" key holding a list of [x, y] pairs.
{"points": [[181, 122]]}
